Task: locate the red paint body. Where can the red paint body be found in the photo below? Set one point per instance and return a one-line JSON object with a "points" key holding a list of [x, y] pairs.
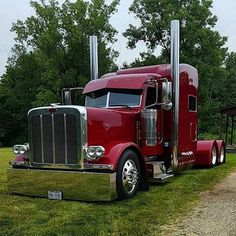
{"points": [[113, 129], [116, 128]]}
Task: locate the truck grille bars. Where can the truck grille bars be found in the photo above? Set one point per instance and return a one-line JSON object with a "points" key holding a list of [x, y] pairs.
{"points": [[54, 139]]}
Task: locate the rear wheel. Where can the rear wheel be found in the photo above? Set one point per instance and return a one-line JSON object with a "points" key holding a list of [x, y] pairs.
{"points": [[213, 156], [128, 175], [222, 155]]}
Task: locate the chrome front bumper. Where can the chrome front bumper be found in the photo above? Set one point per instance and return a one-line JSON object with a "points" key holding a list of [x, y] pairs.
{"points": [[85, 186]]}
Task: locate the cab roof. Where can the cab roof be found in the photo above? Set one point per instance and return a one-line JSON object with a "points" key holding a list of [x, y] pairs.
{"points": [[113, 81], [134, 78]]}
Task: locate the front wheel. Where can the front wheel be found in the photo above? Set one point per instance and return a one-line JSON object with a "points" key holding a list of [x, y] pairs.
{"points": [[128, 175]]}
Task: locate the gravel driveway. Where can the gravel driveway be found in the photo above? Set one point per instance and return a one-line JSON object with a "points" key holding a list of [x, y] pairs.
{"points": [[215, 215]]}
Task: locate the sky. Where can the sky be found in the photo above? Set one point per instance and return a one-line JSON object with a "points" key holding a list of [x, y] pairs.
{"points": [[11, 10]]}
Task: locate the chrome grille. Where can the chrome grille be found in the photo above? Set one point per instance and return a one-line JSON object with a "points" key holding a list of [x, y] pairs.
{"points": [[54, 139]]}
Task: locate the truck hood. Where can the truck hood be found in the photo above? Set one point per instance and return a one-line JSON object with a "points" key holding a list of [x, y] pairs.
{"points": [[106, 127]]}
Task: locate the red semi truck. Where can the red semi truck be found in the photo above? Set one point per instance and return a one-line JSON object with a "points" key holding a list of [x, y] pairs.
{"points": [[137, 126]]}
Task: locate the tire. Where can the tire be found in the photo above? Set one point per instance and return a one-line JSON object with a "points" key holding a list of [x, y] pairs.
{"points": [[213, 156], [128, 175], [222, 155]]}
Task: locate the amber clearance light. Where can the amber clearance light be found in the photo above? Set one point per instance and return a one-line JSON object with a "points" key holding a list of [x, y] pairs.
{"points": [[52, 110]]}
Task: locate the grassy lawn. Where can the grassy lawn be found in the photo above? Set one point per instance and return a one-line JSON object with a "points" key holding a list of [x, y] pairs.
{"points": [[142, 215]]}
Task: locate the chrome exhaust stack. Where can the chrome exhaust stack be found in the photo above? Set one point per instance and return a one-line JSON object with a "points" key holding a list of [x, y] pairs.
{"points": [[175, 78], [93, 46]]}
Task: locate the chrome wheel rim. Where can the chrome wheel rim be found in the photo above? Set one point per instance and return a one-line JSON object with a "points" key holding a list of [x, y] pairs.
{"points": [[222, 155], [129, 176], [214, 156]]}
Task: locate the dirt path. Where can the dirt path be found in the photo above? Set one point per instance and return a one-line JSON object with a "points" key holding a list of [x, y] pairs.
{"points": [[216, 214]]}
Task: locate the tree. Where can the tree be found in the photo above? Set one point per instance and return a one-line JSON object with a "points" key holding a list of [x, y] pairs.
{"points": [[59, 36], [17, 91], [201, 46], [52, 52], [229, 85]]}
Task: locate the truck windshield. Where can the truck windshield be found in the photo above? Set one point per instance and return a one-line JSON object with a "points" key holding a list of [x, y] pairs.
{"points": [[112, 98]]}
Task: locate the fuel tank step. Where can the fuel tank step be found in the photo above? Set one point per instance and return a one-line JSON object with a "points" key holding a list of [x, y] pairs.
{"points": [[162, 178], [157, 172]]}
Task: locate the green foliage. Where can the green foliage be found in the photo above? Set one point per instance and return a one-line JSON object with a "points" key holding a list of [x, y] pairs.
{"points": [[17, 91], [229, 85], [52, 52], [201, 46], [149, 210], [208, 136]]}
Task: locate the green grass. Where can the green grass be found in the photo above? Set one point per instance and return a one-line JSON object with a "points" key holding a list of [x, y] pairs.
{"points": [[142, 215]]}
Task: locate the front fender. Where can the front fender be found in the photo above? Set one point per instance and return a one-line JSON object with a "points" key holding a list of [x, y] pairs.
{"points": [[118, 149]]}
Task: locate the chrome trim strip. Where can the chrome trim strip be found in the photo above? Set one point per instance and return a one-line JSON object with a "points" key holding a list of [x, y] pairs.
{"points": [[53, 140], [108, 99], [83, 135], [98, 166], [188, 154], [41, 133], [79, 108], [65, 136], [175, 79], [57, 166]]}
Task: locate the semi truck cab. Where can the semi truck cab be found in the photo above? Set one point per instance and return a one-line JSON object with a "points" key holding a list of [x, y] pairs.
{"points": [[121, 135]]}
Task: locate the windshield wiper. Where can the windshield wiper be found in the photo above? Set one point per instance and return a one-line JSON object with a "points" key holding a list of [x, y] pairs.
{"points": [[121, 105]]}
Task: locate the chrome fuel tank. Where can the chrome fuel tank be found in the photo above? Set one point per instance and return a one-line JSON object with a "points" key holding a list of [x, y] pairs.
{"points": [[150, 122]]}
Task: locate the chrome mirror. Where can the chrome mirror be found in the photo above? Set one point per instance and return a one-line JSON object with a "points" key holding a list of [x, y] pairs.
{"points": [[167, 95], [72, 96], [67, 97]]}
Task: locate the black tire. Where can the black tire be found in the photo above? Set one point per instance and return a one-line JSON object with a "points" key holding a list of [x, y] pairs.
{"points": [[128, 175]]}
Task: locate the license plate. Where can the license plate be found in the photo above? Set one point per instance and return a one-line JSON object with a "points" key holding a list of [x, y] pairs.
{"points": [[55, 195]]}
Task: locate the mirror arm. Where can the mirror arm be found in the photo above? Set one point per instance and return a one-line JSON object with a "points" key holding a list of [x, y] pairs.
{"points": [[168, 104], [156, 102], [68, 92]]}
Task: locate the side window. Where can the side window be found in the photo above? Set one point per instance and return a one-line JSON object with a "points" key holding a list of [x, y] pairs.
{"points": [[151, 96], [192, 103]]}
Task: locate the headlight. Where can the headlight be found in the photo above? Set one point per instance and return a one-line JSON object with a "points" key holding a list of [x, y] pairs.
{"points": [[95, 152], [91, 152], [99, 151], [20, 149], [16, 149]]}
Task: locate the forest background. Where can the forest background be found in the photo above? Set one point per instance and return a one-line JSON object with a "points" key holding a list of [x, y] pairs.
{"points": [[51, 52]]}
